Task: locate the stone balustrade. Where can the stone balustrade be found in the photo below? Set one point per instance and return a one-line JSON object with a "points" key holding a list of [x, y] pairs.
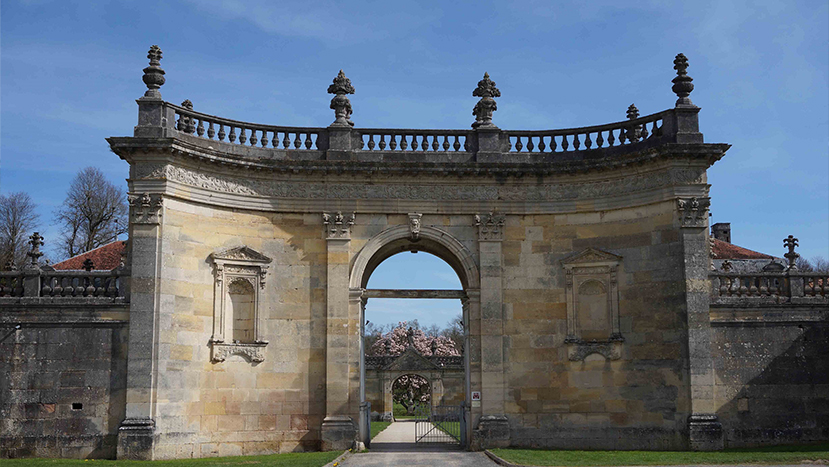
{"points": [[341, 140], [772, 287], [47, 283]]}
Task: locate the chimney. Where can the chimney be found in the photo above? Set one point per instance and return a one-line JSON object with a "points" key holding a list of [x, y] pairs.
{"points": [[722, 231]]}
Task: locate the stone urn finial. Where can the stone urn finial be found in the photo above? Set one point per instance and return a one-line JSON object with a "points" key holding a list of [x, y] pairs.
{"points": [[633, 112], [486, 90], [36, 241], [341, 87], [153, 74], [88, 265], [791, 243], [682, 83]]}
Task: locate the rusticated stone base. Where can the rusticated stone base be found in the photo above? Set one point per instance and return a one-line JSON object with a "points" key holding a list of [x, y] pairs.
{"points": [[705, 432], [136, 437], [338, 433], [492, 432]]}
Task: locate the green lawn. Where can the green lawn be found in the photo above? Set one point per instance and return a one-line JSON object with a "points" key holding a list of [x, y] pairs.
{"points": [[769, 455], [377, 427], [293, 459]]}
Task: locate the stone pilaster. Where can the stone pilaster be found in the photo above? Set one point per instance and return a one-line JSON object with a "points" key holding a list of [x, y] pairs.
{"points": [[136, 436], [705, 430], [342, 338], [493, 386]]}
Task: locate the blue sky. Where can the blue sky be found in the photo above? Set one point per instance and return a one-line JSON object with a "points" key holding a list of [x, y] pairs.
{"points": [[70, 72]]}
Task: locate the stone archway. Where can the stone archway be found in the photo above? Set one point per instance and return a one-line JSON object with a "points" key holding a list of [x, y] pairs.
{"points": [[446, 247]]}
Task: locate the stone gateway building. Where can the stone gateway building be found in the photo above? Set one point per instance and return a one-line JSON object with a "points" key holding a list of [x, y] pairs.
{"points": [[592, 316]]}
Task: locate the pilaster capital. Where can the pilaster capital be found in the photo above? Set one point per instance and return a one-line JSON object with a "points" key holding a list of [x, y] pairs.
{"points": [[693, 212], [146, 208], [337, 226], [490, 227]]}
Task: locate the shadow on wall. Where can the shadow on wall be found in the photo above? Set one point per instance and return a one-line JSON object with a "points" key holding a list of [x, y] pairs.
{"points": [[788, 401]]}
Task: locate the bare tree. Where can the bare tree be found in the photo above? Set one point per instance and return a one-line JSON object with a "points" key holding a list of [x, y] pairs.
{"points": [[814, 264], [93, 214], [17, 221]]}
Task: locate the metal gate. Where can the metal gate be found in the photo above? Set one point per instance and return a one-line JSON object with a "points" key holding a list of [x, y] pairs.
{"points": [[440, 424]]}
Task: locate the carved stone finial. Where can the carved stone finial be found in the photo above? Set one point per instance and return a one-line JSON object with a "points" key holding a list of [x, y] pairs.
{"points": [[726, 266], [682, 83], [341, 86], [791, 243], [36, 241], [414, 225], [486, 90], [633, 112], [410, 336], [10, 266], [88, 265], [186, 123], [153, 74], [187, 104]]}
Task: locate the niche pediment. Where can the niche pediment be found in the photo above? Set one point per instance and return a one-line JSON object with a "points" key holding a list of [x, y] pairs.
{"points": [[591, 257], [241, 253]]}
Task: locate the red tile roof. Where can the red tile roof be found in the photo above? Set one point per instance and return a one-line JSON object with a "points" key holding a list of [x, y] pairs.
{"points": [[725, 250], [104, 258]]}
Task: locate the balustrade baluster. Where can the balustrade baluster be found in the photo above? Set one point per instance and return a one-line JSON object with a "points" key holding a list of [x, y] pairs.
{"points": [[370, 142], [599, 140], [576, 142], [457, 144], [111, 290], [46, 290], [553, 144], [210, 131], [435, 144], [232, 135], [57, 290], [588, 143], [265, 141], [308, 141], [68, 290], [753, 289], [519, 145], [393, 141], [222, 133], [382, 143], [253, 140], [725, 286], [297, 141], [446, 142], [243, 135], [200, 128], [564, 143], [644, 131], [403, 142], [743, 288], [622, 136], [541, 144], [611, 140], [530, 145], [415, 143], [764, 286], [99, 287], [286, 141]]}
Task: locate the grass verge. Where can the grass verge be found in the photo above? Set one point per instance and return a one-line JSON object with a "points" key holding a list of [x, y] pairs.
{"points": [[769, 455], [377, 427], [292, 459]]}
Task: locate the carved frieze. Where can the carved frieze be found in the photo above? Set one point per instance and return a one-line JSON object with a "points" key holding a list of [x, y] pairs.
{"points": [[490, 227], [693, 212], [239, 182], [338, 226], [146, 208]]}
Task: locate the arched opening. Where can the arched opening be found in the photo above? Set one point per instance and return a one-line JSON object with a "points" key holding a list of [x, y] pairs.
{"points": [[426, 284], [411, 394]]}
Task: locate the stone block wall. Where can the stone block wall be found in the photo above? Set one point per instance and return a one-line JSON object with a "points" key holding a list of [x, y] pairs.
{"points": [[638, 399], [772, 379], [62, 385], [237, 406]]}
